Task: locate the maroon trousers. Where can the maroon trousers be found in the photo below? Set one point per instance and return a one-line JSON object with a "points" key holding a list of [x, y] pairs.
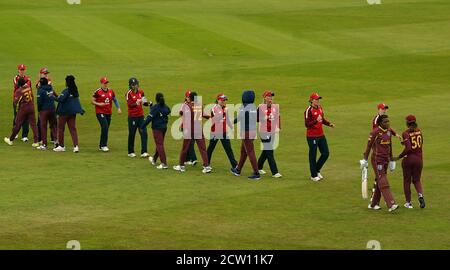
{"points": [[247, 149], [158, 136], [70, 120], [48, 118], [382, 187], [412, 172], [374, 166], [201, 147], [25, 113]]}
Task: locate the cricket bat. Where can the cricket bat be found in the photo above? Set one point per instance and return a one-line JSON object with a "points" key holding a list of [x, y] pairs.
{"points": [[364, 183]]}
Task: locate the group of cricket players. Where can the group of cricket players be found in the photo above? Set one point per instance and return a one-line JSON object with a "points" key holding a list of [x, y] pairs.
{"points": [[262, 120]]}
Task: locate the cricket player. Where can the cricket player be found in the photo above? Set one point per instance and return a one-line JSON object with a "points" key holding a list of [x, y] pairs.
{"points": [[380, 140], [46, 109], [159, 117], [382, 110], [102, 99], [24, 103], [269, 124], [221, 124], [314, 120], [412, 163], [69, 106], [247, 117], [135, 100], [21, 74], [43, 73], [192, 116], [191, 157]]}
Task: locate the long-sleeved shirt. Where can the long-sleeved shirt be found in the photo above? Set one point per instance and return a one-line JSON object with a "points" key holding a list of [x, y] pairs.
{"points": [[45, 100], [380, 140], [413, 142], [23, 98], [16, 80], [314, 128], [159, 116], [220, 120]]}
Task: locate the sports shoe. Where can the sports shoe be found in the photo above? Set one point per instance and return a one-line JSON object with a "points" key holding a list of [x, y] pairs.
{"points": [[277, 175], [320, 176], [262, 172], [194, 162], [162, 166], [7, 141], [35, 144], [145, 155], [179, 168], [254, 177], [376, 207], [131, 155], [59, 149], [235, 171], [42, 147], [152, 161], [393, 208], [104, 149], [17, 136], [188, 163], [206, 169], [408, 205], [24, 139], [76, 149], [422, 202], [315, 179]]}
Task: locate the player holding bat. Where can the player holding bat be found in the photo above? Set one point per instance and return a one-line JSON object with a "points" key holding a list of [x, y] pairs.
{"points": [[381, 141]]}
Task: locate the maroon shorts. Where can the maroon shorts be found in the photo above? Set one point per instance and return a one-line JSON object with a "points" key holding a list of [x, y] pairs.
{"points": [[412, 168]]}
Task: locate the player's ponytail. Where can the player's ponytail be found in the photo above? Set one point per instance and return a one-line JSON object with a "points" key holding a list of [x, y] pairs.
{"points": [[72, 86], [160, 99]]}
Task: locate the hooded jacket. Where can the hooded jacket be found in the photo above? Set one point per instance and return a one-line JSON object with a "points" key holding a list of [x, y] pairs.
{"points": [[68, 104], [247, 114], [45, 100], [159, 116]]}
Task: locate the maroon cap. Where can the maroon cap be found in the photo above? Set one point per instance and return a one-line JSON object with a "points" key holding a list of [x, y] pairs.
{"points": [[314, 96], [21, 67], [104, 80], [187, 93], [410, 118], [383, 106]]}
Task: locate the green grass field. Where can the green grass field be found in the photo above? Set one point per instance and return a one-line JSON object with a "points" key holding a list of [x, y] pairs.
{"points": [[356, 55]]}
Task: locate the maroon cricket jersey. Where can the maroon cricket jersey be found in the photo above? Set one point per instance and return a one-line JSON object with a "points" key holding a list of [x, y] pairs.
{"points": [[192, 120], [374, 126], [104, 96], [313, 126], [413, 142], [380, 140], [16, 79], [134, 110], [23, 98]]}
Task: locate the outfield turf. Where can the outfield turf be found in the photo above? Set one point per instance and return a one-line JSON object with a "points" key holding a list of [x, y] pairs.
{"points": [[354, 54]]}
